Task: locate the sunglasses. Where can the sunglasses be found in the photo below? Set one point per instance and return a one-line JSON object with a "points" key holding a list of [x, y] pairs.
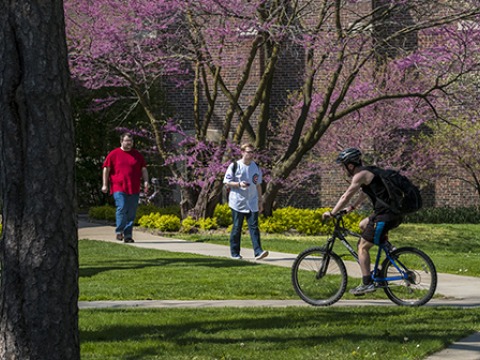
{"points": [[249, 151]]}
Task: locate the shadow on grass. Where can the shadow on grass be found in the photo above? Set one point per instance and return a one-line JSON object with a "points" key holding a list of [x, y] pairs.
{"points": [[198, 330], [136, 264]]}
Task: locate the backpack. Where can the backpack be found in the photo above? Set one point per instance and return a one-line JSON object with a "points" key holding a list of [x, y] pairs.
{"points": [[404, 196], [227, 189]]}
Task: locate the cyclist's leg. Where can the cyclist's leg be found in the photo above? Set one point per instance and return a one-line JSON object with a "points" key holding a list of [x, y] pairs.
{"points": [[364, 247], [363, 224], [370, 233]]}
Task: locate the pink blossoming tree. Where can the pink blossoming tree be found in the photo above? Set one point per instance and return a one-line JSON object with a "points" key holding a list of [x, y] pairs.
{"points": [[360, 73]]}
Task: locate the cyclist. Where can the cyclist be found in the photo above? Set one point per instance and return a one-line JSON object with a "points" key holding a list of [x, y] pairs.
{"points": [[376, 226]]}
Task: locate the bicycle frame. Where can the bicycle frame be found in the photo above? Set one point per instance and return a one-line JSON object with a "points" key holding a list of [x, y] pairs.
{"points": [[338, 233], [319, 275]]}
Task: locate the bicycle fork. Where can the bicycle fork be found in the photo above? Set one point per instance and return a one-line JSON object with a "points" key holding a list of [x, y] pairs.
{"points": [[326, 259]]}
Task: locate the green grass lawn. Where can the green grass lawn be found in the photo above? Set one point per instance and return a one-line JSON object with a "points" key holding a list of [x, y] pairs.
{"points": [[118, 272], [446, 244], [113, 271], [272, 333]]}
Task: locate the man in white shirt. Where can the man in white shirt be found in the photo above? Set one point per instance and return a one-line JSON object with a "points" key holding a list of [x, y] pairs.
{"points": [[244, 179]]}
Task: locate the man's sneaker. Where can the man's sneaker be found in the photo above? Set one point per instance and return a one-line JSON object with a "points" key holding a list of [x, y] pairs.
{"points": [[128, 240], [264, 254], [238, 257], [363, 289], [389, 246], [120, 237]]}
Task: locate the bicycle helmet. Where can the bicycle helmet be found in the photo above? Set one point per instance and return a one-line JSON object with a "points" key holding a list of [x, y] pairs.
{"points": [[350, 155]]}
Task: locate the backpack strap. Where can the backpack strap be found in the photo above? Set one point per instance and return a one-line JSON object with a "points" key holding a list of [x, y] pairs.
{"points": [[235, 166]]}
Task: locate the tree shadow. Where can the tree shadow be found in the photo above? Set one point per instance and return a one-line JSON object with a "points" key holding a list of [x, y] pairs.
{"points": [[136, 264], [277, 328]]}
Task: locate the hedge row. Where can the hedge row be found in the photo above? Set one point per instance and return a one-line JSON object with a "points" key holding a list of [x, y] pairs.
{"points": [[289, 219], [445, 215], [302, 221], [107, 212]]}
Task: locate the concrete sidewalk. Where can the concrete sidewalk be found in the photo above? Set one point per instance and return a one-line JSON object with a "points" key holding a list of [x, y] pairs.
{"points": [[459, 291]]}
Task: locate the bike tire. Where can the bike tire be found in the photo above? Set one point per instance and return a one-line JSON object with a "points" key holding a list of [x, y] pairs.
{"points": [[420, 287], [326, 290]]}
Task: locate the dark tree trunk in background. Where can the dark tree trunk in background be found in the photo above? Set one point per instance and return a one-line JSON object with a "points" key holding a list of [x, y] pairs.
{"points": [[38, 248]]}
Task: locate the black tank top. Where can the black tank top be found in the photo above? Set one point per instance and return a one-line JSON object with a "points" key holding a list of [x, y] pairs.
{"points": [[375, 190]]}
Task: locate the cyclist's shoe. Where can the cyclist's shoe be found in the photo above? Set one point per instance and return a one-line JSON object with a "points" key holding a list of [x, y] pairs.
{"points": [[119, 237], [128, 240], [389, 246], [362, 289]]}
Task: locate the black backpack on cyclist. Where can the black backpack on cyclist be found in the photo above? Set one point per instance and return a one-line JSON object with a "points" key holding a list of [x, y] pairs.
{"points": [[404, 196]]}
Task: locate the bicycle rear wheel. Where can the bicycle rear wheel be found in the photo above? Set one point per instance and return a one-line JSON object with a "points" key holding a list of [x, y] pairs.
{"points": [[315, 288], [421, 281]]}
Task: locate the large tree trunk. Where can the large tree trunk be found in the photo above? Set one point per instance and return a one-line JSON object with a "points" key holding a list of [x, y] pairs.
{"points": [[38, 248]]}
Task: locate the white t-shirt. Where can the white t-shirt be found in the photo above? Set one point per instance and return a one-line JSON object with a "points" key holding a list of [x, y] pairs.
{"points": [[244, 200]]}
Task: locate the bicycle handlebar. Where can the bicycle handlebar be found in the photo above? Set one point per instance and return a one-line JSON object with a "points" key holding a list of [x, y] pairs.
{"points": [[340, 214]]}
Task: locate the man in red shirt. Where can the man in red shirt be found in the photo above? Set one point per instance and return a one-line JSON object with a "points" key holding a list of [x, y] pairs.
{"points": [[125, 167]]}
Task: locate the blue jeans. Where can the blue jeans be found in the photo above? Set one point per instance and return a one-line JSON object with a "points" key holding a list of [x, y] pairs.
{"points": [[126, 211], [235, 235]]}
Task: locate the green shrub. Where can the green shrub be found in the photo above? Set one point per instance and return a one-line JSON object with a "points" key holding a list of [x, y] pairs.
{"points": [[223, 214], [188, 224], [171, 210], [160, 222], [208, 223], [105, 212], [310, 222], [147, 210], [272, 225], [445, 215], [287, 216], [305, 221]]}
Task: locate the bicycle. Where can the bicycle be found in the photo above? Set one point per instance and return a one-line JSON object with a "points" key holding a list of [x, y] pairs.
{"points": [[407, 275], [155, 198]]}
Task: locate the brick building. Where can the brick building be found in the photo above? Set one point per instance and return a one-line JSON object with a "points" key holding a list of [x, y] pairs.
{"points": [[288, 77]]}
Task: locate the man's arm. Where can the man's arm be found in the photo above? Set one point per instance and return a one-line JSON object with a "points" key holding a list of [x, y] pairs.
{"points": [[360, 199], [145, 179], [362, 178], [260, 197], [105, 175]]}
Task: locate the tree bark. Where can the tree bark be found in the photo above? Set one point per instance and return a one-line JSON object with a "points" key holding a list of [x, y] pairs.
{"points": [[38, 248]]}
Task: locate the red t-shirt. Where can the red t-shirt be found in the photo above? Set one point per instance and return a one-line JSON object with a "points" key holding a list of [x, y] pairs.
{"points": [[125, 170]]}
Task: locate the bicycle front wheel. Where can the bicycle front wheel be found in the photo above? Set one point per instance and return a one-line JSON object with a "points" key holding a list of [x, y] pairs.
{"points": [[319, 278], [419, 280]]}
